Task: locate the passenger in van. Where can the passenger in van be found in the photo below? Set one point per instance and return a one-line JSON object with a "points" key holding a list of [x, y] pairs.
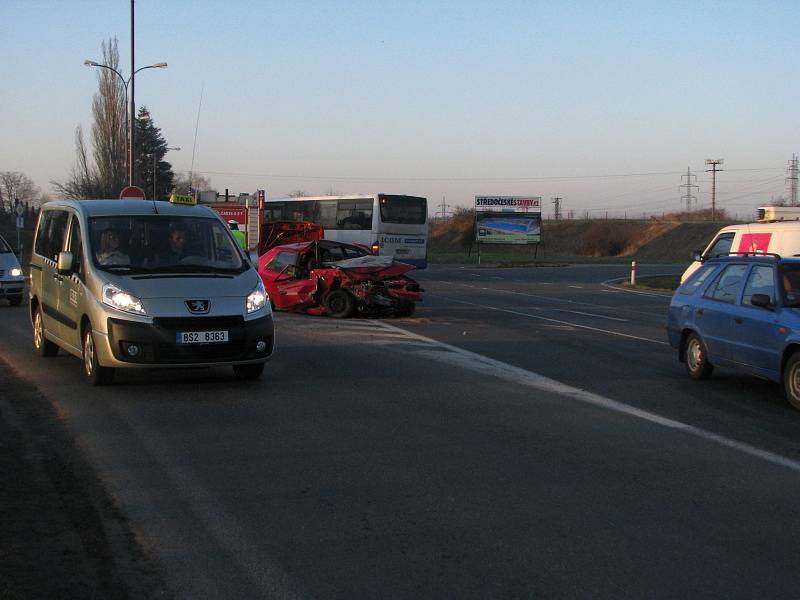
{"points": [[111, 249]]}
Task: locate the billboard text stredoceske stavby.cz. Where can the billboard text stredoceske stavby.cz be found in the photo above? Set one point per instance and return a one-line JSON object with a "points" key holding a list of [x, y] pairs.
{"points": [[508, 219]]}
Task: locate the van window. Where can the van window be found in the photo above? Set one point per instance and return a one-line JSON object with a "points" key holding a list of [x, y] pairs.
{"points": [[76, 247], [163, 243], [51, 233], [727, 284], [722, 245]]}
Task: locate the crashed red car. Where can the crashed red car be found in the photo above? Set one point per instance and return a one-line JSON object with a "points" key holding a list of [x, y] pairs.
{"points": [[337, 279]]}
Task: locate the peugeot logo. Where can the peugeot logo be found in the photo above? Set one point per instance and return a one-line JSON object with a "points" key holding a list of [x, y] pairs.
{"points": [[197, 307]]}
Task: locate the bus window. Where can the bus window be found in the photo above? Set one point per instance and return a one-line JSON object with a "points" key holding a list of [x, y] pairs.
{"points": [[275, 211], [354, 214], [326, 214], [408, 210]]}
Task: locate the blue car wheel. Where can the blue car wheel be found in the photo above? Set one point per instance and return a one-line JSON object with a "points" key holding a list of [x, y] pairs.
{"points": [[696, 357], [791, 380]]}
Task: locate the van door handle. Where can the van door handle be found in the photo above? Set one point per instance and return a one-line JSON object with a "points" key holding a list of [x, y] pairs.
{"points": [[699, 311], [737, 320]]}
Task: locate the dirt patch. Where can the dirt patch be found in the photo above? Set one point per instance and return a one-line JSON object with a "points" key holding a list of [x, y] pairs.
{"points": [[61, 536]]}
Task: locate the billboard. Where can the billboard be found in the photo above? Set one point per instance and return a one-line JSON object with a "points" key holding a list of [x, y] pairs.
{"points": [[508, 219]]}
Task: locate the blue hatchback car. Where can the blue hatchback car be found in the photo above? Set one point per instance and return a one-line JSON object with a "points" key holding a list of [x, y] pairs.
{"points": [[741, 311]]}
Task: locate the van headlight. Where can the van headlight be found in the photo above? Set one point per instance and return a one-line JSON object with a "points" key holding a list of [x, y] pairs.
{"points": [[257, 298], [122, 300], [15, 272]]}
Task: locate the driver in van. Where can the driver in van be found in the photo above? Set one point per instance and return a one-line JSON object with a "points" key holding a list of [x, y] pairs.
{"points": [[177, 244], [111, 249]]}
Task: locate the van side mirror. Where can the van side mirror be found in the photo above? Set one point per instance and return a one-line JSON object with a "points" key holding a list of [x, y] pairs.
{"points": [[761, 301], [253, 256], [65, 263], [697, 256]]}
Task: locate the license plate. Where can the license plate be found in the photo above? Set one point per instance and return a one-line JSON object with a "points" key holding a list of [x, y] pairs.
{"points": [[201, 337]]}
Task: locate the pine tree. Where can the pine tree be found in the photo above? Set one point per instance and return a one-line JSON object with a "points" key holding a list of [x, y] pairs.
{"points": [[150, 148]]}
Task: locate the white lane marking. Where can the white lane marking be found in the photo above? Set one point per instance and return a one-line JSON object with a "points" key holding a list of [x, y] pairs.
{"points": [[610, 284], [545, 283], [577, 312], [522, 314], [575, 287], [610, 291], [551, 299], [483, 364]]}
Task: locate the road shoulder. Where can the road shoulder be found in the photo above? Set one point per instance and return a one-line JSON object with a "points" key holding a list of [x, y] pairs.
{"points": [[61, 535]]}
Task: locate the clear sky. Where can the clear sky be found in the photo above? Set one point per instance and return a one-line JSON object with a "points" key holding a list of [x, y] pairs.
{"points": [[602, 103]]}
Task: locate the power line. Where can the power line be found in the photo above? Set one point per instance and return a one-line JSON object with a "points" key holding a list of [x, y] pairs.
{"points": [[792, 180], [688, 196], [442, 214], [461, 179], [557, 210], [714, 162]]}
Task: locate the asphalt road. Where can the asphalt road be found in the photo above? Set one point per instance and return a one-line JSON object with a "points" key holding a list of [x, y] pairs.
{"points": [[527, 433]]}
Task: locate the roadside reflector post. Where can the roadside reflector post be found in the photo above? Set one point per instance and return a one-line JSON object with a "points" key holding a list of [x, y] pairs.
{"points": [[633, 272]]}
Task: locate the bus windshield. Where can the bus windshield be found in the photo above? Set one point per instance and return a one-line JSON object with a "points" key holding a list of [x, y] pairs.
{"points": [[407, 210], [140, 243]]}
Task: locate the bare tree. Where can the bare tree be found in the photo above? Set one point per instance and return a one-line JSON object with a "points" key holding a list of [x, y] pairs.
{"points": [[16, 186], [106, 177], [108, 129], [181, 183], [298, 194], [332, 191], [83, 181]]}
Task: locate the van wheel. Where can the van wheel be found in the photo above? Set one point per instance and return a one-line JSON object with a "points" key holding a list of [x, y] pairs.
{"points": [[339, 304], [43, 346], [248, 371], [95, 374], [696, 357], [791, 380]]}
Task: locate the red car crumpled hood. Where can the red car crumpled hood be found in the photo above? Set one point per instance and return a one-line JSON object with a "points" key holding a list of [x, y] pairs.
{"points": [[378, 267]]}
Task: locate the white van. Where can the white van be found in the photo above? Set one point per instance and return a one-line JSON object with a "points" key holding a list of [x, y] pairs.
{"points": [[777, 231], [137, 284], [12, 280]]}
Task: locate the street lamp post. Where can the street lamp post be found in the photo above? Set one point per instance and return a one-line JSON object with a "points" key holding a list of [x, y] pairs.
{"points": [[155, 168], [129, 121]]}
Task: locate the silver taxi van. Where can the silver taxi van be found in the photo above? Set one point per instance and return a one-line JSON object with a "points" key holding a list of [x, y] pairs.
{"points": [[143, 284], [12, 281]]}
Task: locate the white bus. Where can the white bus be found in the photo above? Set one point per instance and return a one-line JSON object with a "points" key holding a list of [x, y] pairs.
{"points": [[392, 225]]}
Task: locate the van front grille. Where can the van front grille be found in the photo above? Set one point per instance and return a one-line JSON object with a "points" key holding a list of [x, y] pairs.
{"points": [[198, 323]]}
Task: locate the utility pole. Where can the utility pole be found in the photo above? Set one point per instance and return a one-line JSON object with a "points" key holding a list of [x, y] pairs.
{"points": [[442, 214], [792, 180], [714, 162], [132, 121], [557, 210], [688, 196]]}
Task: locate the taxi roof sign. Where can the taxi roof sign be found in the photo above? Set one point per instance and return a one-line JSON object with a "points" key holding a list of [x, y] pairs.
{"points": [[179, 199]]}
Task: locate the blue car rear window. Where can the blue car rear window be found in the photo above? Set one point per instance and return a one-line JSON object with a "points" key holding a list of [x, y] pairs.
{"points": [[696, 279]]}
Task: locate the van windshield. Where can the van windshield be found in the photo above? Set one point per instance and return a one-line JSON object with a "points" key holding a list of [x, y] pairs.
{"points": [[153, 243], [4, 247]]}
